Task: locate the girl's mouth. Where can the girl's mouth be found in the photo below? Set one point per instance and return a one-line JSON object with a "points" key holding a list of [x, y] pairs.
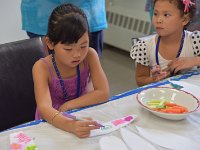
{"points": [[159, 28], [75, 61]]}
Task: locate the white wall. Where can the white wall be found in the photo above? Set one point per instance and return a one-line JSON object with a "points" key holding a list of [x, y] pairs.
{"points": [[119, 31], [10, 21], [10, 17]]}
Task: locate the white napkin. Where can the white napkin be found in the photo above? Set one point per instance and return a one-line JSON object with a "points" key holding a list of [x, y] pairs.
{"points": [[112, 143], [168, 140], [134, 141], [190, 88]]}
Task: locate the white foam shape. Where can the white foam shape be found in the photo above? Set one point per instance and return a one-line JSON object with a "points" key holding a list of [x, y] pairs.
{"points": [[134, 141], [110, 126], [112, 143], [168, 140]]}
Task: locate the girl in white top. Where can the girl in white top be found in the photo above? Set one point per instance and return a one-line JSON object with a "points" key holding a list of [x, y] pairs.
{"points": [[172, 49]]}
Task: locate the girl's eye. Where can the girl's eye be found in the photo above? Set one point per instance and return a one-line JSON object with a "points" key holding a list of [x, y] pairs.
{"points": [[155, 14], [68, 49], [83, 47], [166, 15]]}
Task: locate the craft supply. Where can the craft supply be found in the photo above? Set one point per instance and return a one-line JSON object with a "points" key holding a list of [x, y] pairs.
{"points": [[113, 125], [78, 118], [134, 141], [21, 141], [167, 139], [176, 86], [188, 87]]}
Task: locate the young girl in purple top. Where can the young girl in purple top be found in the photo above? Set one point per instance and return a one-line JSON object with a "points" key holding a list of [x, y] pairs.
{"points": [[71, 77]]}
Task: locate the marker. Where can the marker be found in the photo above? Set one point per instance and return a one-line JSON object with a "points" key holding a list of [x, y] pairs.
{"points": [[79, 118]]}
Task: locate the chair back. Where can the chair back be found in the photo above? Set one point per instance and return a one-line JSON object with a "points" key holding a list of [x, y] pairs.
{"points": [[17, 101]]}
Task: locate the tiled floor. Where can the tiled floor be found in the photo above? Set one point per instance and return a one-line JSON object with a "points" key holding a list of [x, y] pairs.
{"points": [[119, 68]]}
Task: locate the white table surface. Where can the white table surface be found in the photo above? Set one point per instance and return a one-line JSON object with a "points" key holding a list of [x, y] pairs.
{"points": [[48, 137]]}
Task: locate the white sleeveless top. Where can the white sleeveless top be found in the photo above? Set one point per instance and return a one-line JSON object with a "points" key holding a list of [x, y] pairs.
{"points": [[144, 50]]}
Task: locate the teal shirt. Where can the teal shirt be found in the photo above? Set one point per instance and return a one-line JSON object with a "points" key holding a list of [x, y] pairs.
{"points": [[35, 14]]}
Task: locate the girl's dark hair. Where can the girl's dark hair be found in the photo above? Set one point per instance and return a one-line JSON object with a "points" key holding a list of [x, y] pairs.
{"points": [[67, 24], [181, 7]]}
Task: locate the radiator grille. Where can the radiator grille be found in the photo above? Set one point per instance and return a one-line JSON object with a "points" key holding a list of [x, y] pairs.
{"points": [[129, 23]]}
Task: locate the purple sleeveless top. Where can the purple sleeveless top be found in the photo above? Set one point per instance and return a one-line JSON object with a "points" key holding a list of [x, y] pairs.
{"points": [[70, 86]]}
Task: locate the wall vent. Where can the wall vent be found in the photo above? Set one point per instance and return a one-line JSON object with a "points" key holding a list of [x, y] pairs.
{"points": [[129, 23], [122, 28]]}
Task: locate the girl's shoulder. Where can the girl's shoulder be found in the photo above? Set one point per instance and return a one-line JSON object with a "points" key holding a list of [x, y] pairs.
{"points": [[38, 63], [140, 50], [43, 65], [195, 42], [145, 43], [40, 69], [92, 51], [91, 55], [146, 40], [195, 35], [43, 62]]}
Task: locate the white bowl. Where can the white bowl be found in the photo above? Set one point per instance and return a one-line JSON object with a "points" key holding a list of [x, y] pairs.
{"points": [[173, 95]]}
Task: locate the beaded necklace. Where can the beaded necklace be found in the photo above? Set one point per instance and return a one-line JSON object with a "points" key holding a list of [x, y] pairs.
{"points": [[179, 51], [61, 80]]}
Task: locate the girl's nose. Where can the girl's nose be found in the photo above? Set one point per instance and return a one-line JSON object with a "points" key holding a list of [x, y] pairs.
{"points": [[77, 53], [159, 19]]}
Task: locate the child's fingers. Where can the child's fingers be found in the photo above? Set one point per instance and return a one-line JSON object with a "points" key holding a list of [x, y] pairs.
{"points": [[175, 66], [170, 63], [155, 69], [90, 125], [155, 72], [83, 134], [162, 75], [87, 128], [88, 118], [168, 73]]}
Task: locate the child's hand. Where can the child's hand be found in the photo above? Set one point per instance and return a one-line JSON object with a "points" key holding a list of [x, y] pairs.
{"points": [[82, 128], [180, 63], [158, 74]]}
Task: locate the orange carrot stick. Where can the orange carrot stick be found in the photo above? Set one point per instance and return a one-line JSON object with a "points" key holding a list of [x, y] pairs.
{"points": [[170, 104]]}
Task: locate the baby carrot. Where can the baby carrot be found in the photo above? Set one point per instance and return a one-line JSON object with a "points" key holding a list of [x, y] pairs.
{"points": [[182, 108], [170, 104], [173, 110]]}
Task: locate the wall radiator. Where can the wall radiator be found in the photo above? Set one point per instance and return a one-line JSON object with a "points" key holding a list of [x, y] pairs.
{"points": [[124, 24]]}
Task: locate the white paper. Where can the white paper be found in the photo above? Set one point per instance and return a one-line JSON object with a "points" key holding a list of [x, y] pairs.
{"points": [[134, 141], [113, 125], [190, 88], [112, 143], [167, 139]]}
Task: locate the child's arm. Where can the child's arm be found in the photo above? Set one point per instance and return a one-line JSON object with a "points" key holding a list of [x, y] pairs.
{"points": [[51, 115], [144, 77], [100, 93], [183, 63]]}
